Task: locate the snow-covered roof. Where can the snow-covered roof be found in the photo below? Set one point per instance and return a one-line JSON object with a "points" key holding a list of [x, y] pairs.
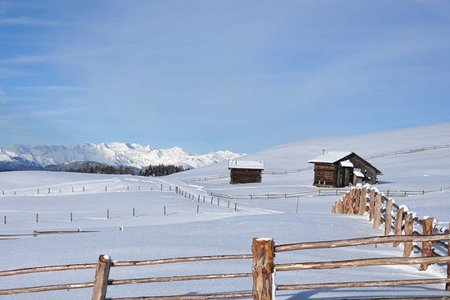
{"points": [[358, 173], [346, 164], [330, 157], [246, 164]]}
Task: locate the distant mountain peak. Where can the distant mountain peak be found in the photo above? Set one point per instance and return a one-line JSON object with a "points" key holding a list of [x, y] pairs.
{"points": [[114, 154]]}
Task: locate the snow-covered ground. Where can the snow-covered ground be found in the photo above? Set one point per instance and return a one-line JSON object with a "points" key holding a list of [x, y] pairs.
{"points": [[217, 228]]}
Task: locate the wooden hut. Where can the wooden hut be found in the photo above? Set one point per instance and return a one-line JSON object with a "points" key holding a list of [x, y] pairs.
{"points": [[339, 169], [242, 171]]}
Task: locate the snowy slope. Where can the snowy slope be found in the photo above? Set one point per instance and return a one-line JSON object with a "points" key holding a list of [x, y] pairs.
{"points": [[115, 154], [218, 228]]}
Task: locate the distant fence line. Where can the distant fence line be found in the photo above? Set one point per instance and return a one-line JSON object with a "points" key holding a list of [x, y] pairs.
{"points": [[107, 213], [322, 192], [318, 192], [79, 189], [409, 151]]}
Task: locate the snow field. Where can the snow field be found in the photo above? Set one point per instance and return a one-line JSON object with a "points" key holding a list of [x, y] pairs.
{"points": [[219, 229]]}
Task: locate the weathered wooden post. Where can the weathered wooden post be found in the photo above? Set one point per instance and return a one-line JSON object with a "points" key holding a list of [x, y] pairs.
{"points": [[347, 203], [263, 268], [362, 202], [101, 277], [427, 226], [388, 218], [356, 199], [377, 212], [409, 228], [340, 206], [447, 285], [398, 225], [371, 204]]}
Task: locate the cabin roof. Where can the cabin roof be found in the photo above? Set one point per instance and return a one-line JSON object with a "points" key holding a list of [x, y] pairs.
{"points": [[330, 157], [246, 164]]}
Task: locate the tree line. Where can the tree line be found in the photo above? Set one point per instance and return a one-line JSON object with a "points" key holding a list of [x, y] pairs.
{"points": [[161, 170], [157, 170]]}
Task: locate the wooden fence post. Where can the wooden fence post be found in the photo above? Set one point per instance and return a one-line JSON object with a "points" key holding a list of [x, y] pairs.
{"points": [[362, 202], [388, 218], [340, 206], [377, 212], [101, 277], [426, 246], [398, 225], [447, 285], [263, 268], [372, 204], [347, 203], [409, 228], [353, 197]]}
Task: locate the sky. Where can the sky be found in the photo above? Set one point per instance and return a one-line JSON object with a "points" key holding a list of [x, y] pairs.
{"points": [[219, 75]]}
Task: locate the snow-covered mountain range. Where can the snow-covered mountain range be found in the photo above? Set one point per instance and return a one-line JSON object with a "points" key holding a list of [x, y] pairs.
{"points": [[114, 154]]}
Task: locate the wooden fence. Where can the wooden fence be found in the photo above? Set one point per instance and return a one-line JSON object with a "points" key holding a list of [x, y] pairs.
{"points": [[263, 270], [102, 279], [306, 193], [397, 219]]}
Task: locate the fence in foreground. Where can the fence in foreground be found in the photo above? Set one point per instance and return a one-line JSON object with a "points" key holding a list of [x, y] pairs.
{"points": [[263, 270]]}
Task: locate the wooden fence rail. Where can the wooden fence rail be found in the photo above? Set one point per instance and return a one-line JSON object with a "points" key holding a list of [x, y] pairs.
{"points": [[264, 268]]}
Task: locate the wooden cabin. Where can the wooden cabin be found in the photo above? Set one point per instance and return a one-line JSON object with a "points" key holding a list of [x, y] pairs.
{"points": [[339, 169], [244, 171]]}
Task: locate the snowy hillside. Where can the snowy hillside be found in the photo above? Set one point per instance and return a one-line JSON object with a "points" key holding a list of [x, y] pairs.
{"points": [[114, 154], [135, 218]]}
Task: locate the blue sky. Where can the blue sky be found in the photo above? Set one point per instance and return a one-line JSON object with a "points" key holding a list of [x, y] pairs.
{"points": [[210, 75]]}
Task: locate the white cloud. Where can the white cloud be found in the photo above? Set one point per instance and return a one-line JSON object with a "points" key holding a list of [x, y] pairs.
{"points": [[439, 7], [56, 112], [3, 97], [25, 59], [52, 88], [24, 21]]}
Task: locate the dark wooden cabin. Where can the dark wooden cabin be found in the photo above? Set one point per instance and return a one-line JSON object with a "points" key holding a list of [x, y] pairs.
{"points": [[339, 169], [242, 171]]}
